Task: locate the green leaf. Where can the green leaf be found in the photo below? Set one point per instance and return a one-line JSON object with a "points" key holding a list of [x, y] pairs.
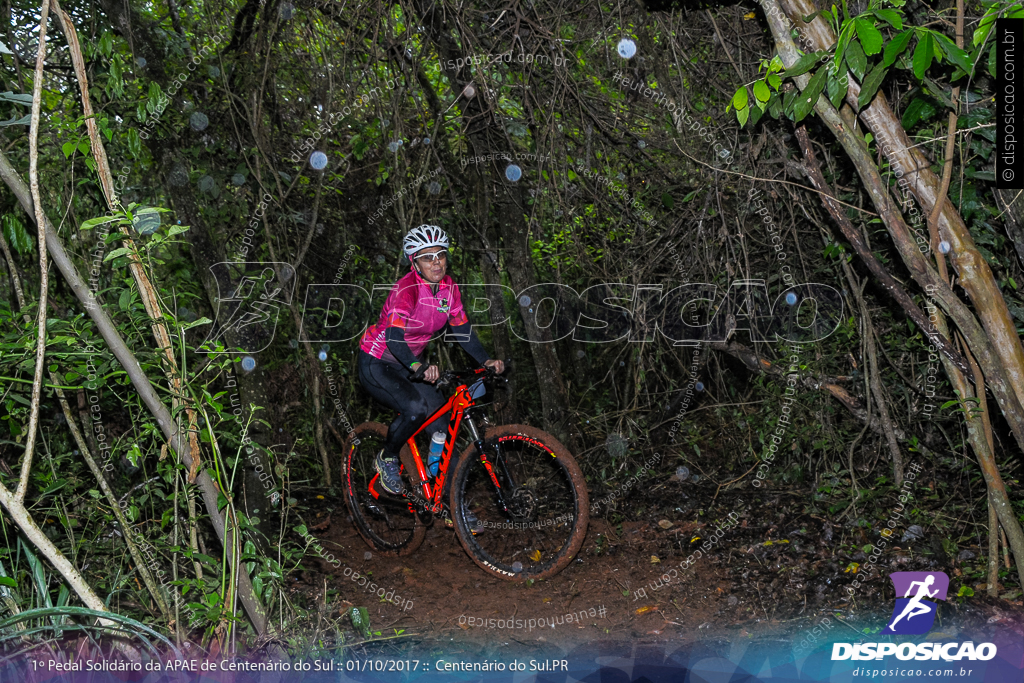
{"points": [[134, 455], [16, 97], [774, 81], [16, 234], [134, 143], [896, 46], [756, 113], [125, 300], [761, 91], [856, 60], [956, 55], [123, 251], [25, 120], [106, 44], [68, 148], [992, 61], [871, 84], [923, 55], [83, 148], [155, 94], [739, 100], [802, 65], [965, 591], [870, 37], [805, 101], [844, 39], [836, 89], [985, 25], [743, 115], [667, 200], [201, 321], [891, 17], [93, 222], [4, 50], [8, 581]]}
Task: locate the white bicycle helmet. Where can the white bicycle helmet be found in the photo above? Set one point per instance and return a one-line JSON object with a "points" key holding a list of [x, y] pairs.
{"points": [[424, 236]]}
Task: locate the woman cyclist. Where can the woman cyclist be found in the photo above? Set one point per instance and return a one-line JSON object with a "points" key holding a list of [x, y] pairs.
{"points": [[421, 304]]}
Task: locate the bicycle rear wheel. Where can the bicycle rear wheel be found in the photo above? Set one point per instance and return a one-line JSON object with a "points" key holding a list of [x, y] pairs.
{"points": [[387, 523], [548, 507]]}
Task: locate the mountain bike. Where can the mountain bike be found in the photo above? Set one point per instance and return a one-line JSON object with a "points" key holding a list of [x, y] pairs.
{"points": [[523, 486]]}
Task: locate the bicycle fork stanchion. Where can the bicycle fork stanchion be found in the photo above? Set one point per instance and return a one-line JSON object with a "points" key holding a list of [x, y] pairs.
{"points": [[479, 443]]}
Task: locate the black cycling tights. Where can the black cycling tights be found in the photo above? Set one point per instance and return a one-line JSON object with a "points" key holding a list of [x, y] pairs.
{"points": [[389, 383]]}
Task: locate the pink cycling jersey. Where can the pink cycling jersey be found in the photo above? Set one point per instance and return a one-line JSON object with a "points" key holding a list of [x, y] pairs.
{"points": [[413, 306]]}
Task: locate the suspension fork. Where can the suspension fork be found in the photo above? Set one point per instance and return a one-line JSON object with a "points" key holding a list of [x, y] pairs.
{"points": [[479, 443]]}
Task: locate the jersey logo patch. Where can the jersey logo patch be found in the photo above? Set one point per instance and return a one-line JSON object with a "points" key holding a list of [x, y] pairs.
{"points": [[443, 308]]}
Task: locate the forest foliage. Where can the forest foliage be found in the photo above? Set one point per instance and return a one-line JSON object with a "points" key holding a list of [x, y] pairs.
{"points": [[597, 147]]}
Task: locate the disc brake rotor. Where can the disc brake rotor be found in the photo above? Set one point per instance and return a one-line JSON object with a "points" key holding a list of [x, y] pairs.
{"points": [[522, 504]]}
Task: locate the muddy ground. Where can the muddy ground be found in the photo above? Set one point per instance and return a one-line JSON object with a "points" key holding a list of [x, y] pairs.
{"points": [[776, 572]]}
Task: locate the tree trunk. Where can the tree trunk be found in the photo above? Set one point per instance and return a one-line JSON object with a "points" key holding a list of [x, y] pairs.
{"points": [[975, 275], [484, 135], [978, 341], [506, 406], [926, 276], [554, 397]]}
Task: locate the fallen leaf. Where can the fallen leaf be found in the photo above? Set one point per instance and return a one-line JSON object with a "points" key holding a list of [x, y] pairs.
{"points": [[852, 567], [749, 16], [535, 555], [464, 627], [319, 497], [655, 560], [646, 609], [546, 600], [665, 524]]}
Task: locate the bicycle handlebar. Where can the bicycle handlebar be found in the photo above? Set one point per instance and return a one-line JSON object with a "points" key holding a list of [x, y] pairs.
{"points": [[449, 376]]}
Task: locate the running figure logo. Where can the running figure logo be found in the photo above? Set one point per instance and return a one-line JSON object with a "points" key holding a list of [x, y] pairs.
{"points": [[250, 298], [914, 614]]}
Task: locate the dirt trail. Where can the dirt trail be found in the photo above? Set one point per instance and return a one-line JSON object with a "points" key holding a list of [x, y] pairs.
{"points": [[773, 572]]}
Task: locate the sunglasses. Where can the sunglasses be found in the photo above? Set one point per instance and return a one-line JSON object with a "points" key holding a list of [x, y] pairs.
{"points": [[443, 254]]}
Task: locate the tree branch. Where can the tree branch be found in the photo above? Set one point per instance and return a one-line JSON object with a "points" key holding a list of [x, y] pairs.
{"points": [[44, 280]]}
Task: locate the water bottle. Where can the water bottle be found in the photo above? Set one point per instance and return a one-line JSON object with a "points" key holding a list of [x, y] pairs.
{"points": [[434, 457]]}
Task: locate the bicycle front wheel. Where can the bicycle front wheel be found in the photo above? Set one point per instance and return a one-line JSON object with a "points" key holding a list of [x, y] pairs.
{"points": [[534, 528], [387, 523]]}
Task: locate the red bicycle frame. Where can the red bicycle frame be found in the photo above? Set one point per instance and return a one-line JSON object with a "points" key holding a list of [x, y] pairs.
{"points": [[457, 405]]}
